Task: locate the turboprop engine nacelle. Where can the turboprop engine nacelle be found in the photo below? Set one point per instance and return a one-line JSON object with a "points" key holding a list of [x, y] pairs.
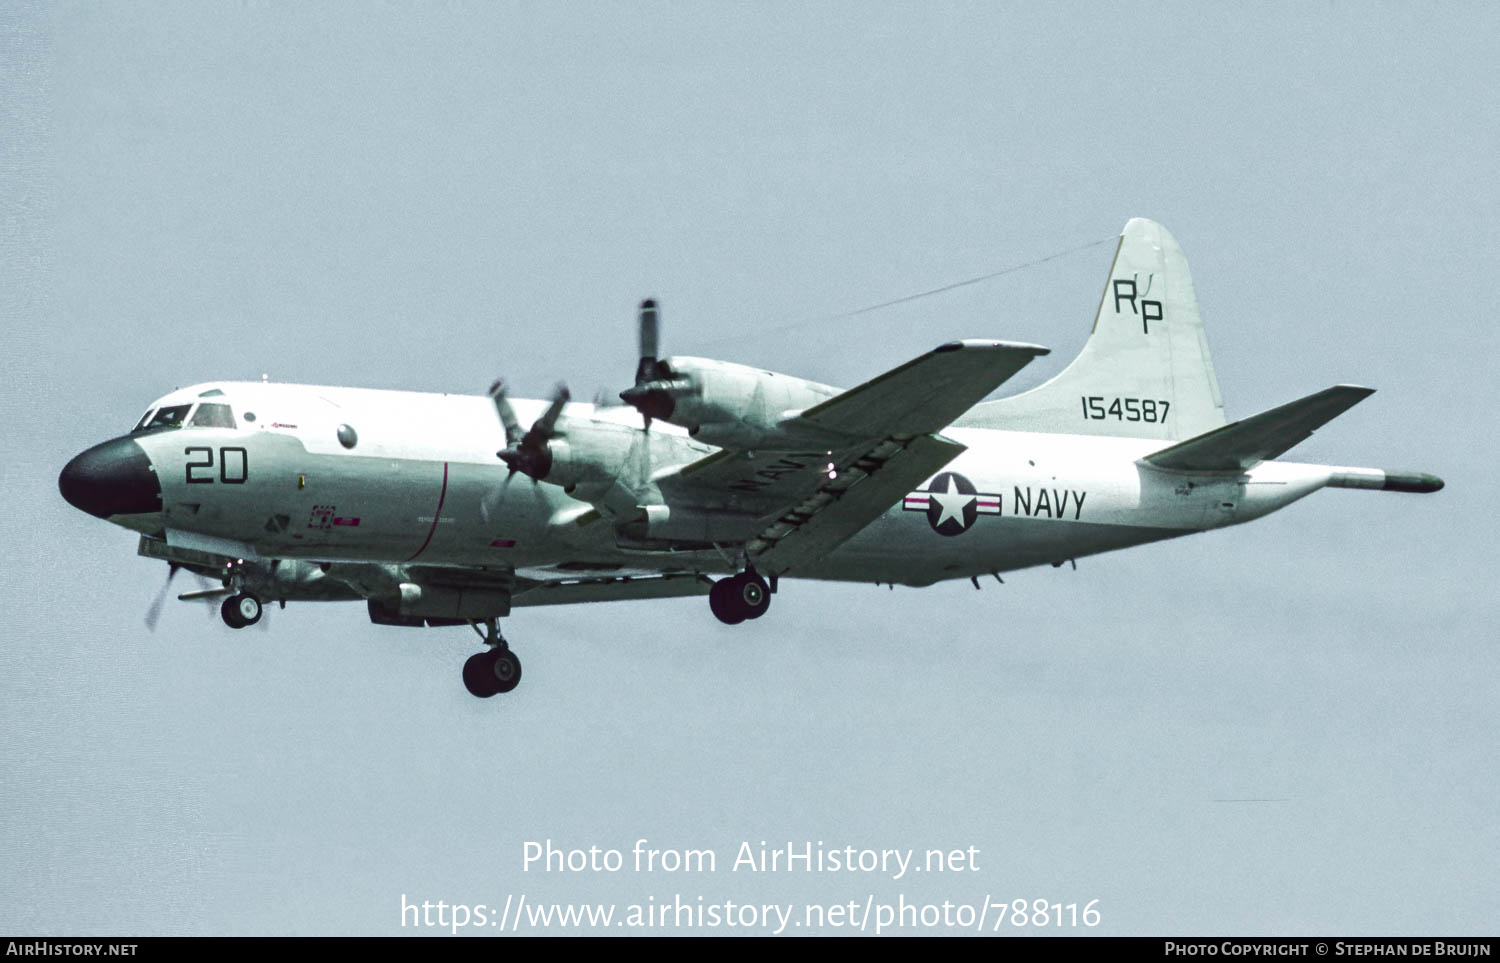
{"points": [[607, 465], [726, 404]]}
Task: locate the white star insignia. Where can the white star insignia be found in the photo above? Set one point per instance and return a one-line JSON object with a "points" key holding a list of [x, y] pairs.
{"points": [[953, 503]]}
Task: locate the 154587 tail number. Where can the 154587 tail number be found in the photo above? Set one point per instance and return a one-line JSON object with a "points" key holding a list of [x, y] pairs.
{"points": [[1099, 408]]}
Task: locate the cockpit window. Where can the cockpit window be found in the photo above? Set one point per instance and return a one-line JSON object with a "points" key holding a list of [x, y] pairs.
{"points": [[168, 417], [141, 425], [212, 416]]}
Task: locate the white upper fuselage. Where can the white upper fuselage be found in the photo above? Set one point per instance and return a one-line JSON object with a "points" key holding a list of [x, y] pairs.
{"points": [[421, 483]]}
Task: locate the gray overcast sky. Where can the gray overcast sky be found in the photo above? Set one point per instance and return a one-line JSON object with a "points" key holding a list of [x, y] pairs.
{"points": [[427, 197]]}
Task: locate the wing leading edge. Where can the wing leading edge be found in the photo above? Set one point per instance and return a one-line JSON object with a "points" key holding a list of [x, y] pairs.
{"points": [[926, 394]]}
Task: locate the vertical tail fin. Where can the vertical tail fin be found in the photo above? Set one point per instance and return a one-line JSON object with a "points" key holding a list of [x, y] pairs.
{"points": [[1145, 371]]}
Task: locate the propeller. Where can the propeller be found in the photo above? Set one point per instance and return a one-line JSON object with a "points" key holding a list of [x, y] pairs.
{"points": [[649, 396], [528, 453]]}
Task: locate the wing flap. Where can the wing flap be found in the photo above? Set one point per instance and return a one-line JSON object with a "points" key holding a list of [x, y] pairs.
{"points": [[753, 484], [845, 504], [1241, 444]]}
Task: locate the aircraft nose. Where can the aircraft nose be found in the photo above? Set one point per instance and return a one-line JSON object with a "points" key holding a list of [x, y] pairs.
{"points": [[115, 478]]}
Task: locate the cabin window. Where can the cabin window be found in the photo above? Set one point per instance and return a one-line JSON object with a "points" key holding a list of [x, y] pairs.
{"points": [[171, 416], [213, 416]]}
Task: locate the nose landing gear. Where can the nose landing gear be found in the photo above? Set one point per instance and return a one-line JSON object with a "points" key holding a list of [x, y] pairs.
{"points": [[240, 610]]}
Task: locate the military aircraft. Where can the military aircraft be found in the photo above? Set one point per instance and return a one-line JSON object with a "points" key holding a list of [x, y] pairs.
{"points": [[712, 478]]}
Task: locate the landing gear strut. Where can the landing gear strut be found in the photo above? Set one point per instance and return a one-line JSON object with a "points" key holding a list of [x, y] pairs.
{"points": [[240, 610], [495, 670], [740, 597]]}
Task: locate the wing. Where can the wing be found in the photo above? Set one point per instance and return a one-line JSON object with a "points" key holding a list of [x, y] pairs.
{"points": [[926, 394], [879, 442]]}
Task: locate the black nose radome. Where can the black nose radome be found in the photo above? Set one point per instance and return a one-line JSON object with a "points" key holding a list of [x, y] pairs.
{"points": [[114, 478]]}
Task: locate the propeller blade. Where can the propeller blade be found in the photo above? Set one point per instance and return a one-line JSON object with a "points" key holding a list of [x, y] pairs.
{"points": [[646, 396], [491, 502], [546, 424], [507, 413], [646, 369], [153, 613]]}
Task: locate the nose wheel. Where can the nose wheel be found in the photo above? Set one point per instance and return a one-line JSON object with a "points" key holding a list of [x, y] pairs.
{"points": [[494, 671], [740, 597], [240, 610]]}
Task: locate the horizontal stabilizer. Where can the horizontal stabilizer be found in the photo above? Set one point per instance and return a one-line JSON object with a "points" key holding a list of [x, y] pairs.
{"points": [[1237, 446], [926, 394]]}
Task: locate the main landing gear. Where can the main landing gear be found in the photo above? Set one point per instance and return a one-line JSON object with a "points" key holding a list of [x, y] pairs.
{"points": [[740, 597], [240, 610], [495, 670]]}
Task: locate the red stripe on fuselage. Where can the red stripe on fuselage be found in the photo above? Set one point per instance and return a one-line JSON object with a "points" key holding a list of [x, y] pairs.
{"points": [[435, 515]]}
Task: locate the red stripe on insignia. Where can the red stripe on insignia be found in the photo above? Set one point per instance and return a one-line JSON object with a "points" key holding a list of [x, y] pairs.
{"points": [[503, 543], [346, 521]]}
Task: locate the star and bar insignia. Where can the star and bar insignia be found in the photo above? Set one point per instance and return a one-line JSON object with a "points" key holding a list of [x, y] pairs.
{"points": [[952, 503]]}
